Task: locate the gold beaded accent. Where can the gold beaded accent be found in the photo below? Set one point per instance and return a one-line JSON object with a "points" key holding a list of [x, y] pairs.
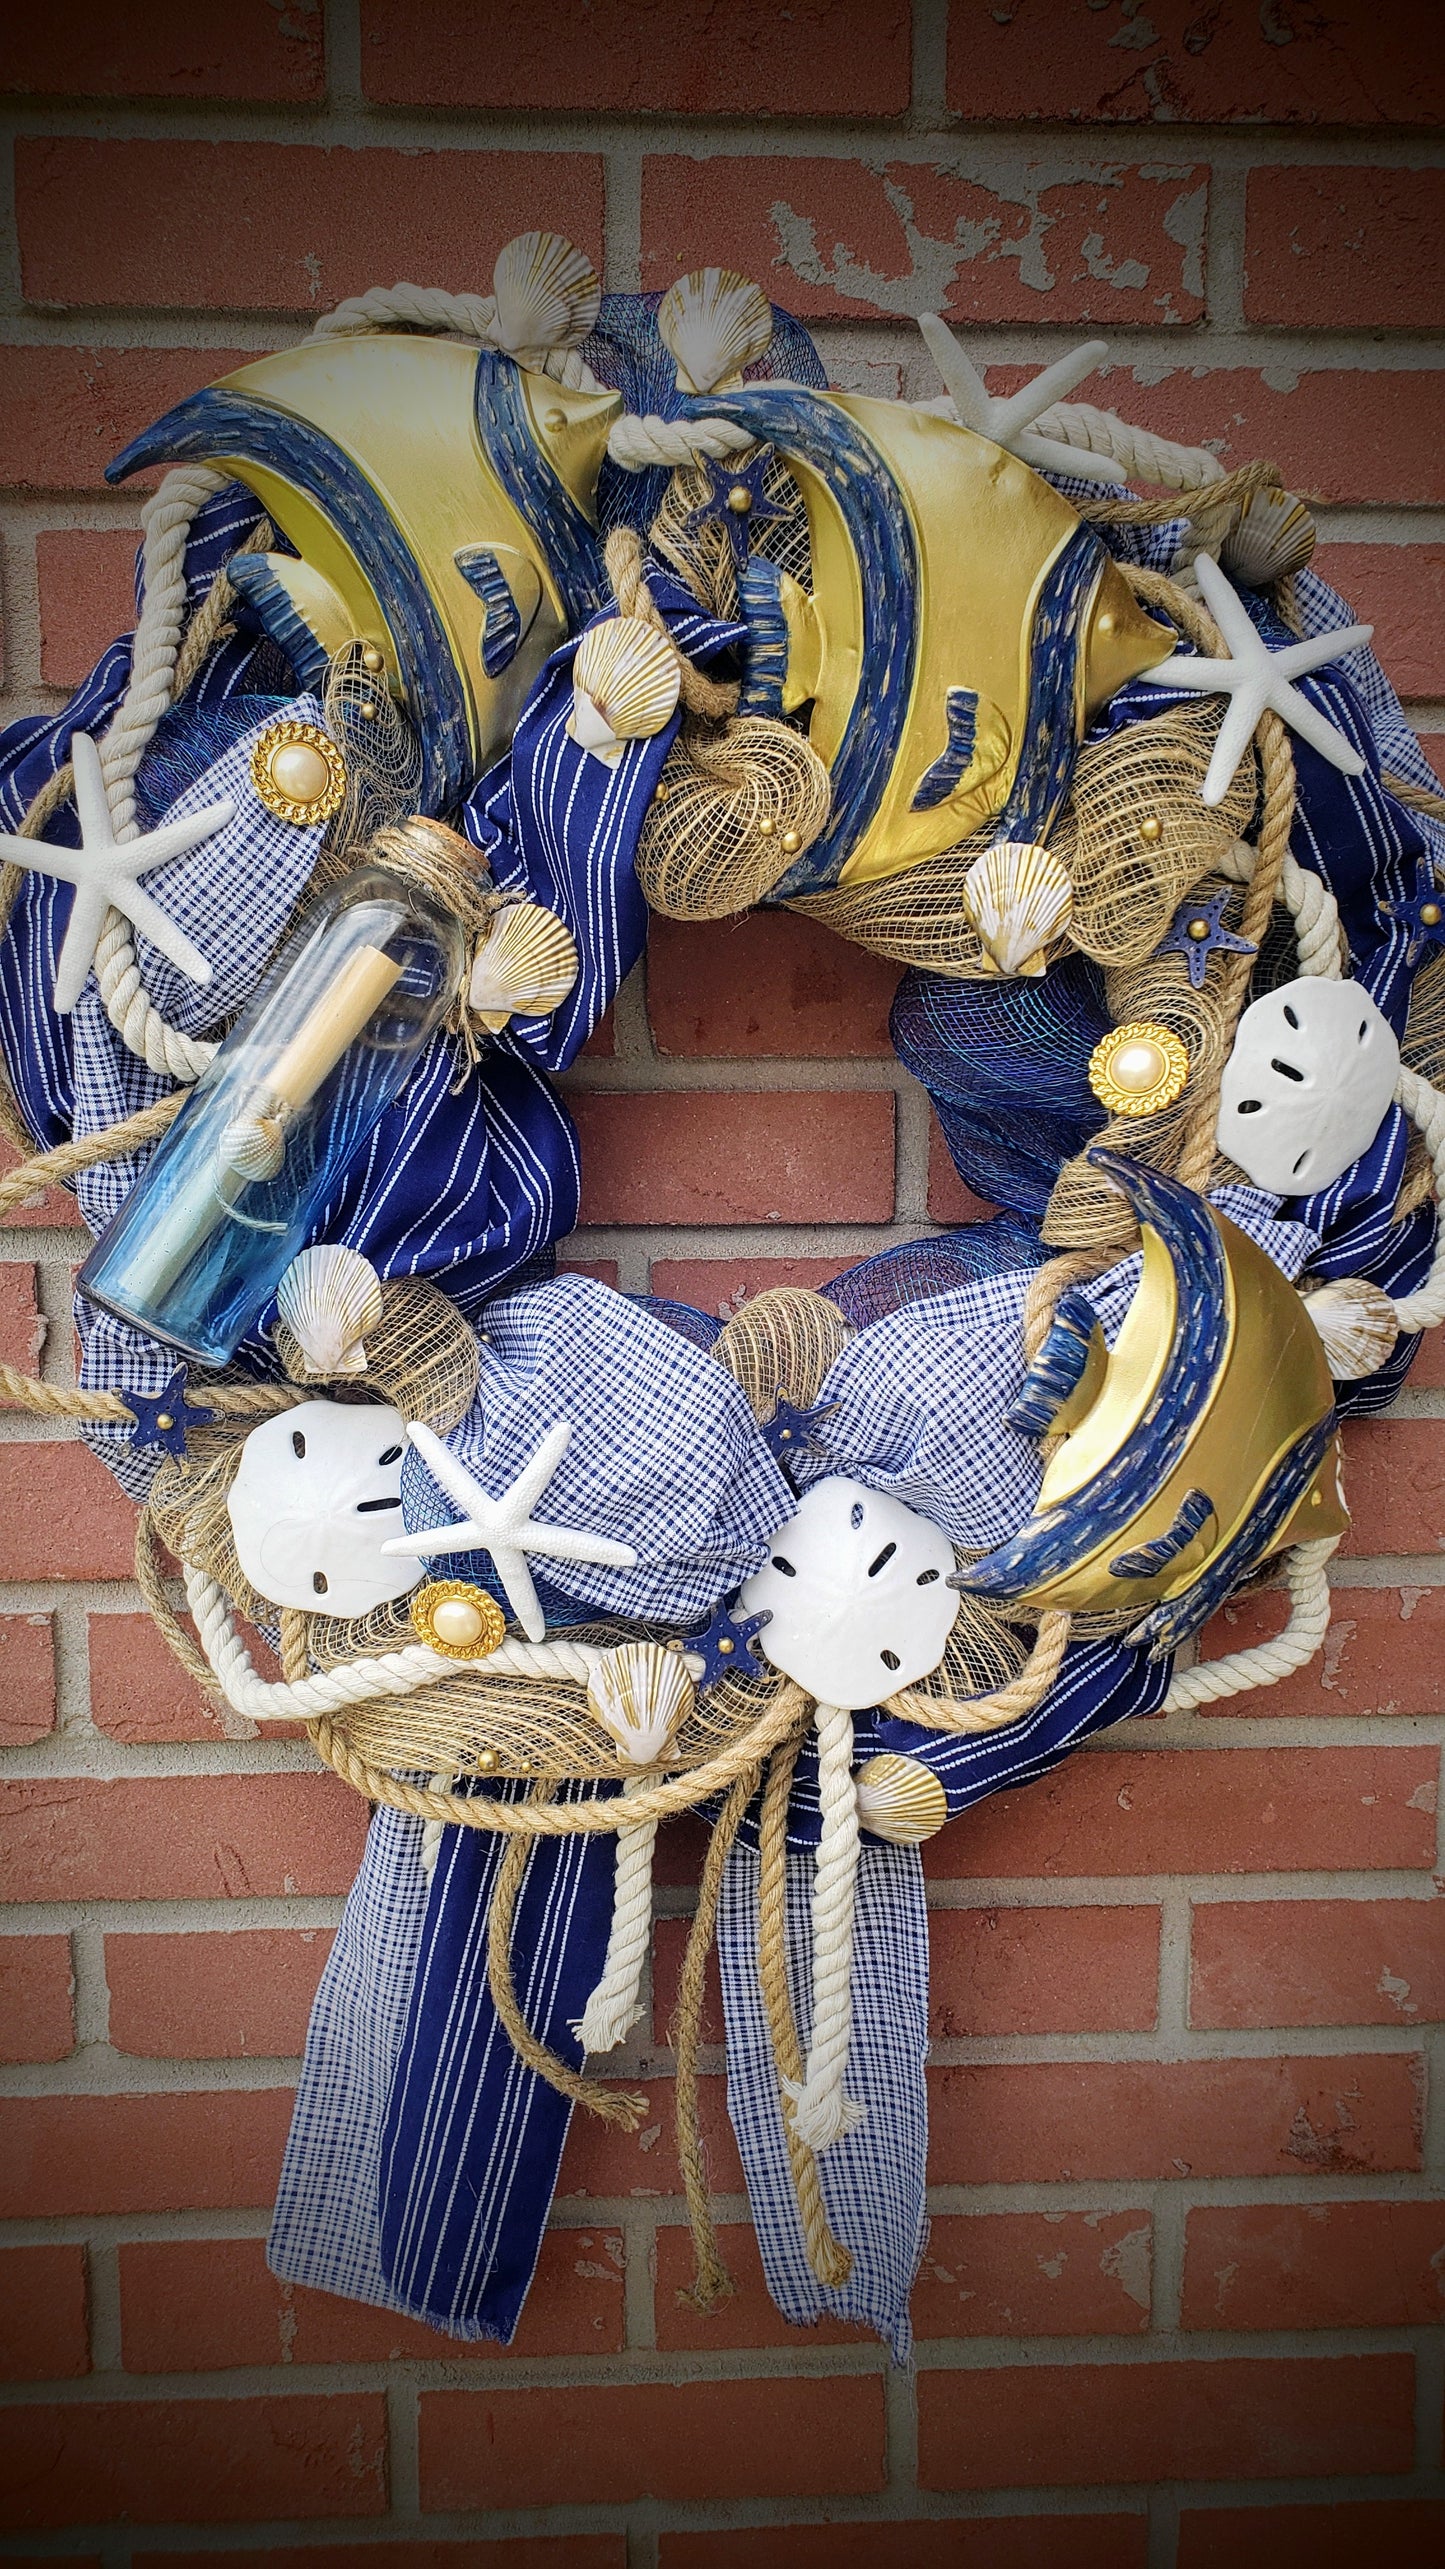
{"points": [[290, 755], [456, 1602], [1151, 829], [740, 499], [1430, 914], [1137, 1069], [1198, 929], [792, 841], [372, 659]]}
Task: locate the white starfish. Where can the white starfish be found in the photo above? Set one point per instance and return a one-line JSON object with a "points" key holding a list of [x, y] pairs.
{"points": [[1008, 421], [103, 871], [505, 1526], [1254, 677]]}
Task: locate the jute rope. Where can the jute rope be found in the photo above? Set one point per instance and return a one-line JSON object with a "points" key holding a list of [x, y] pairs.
{"points": [[831, 2262], [711, 2281], [1024, 1693], [706, 697], [1218, 494], [1418, 798], [609, 2104]]}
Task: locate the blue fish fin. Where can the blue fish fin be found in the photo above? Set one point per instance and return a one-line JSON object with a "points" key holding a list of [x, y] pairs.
{"points": [[297, 607], [510, 598]]}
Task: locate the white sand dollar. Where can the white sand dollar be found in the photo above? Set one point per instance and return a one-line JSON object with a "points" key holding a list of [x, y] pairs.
{"points": [[316, 1496], [1307, 1085], [856, 1588]]}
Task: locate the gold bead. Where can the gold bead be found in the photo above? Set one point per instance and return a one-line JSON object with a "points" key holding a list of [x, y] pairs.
{"points": [[1151, 829], [740, 499], [766, 825], [372, 659], [485, 1761], [1198, 929], [792, 841], [165, 1421], [1107, 622], [725, 1649], [368, 710], [1430, 914], [659, 793], [554, 420]]}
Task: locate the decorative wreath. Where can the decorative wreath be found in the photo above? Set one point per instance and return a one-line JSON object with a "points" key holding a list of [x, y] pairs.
{"points": [[471, 630]]}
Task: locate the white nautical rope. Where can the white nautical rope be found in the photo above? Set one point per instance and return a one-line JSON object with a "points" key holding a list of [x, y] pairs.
{"points": [[1425, 1307], [1310, 903], [1268, 1661], [331, 1690], [637, 444], [821, 2110], [616, 2002], [139, 1024], [1144, 457], [444, 1781]]}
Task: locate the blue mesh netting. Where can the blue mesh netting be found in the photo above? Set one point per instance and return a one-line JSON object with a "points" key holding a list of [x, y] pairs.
{"points": [[1006, 1064], [921, 1267]]}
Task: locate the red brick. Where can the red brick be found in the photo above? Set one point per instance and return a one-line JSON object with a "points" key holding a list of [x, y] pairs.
{"points": [[665, 2440], [1073, 62], [995, 2542], [304, 226], [1238, 1810], [1088, 2425], [1388, 2533], [197, 1837], [175, 50], [22, 1330], [1340, 249], [1043, 1971], [682, 1846], [568, 2551], [832, 237], [87, 597], [949, 1200], [690, 1156], [720, 1286], [669, 1940], [601, 2161], [1400, 590], [213, 1998], [1082, 2122], [1034, 2274], [36, 2019], [63, 1516], [1317, 2265], [1318, 1962], [1338, 434], [46, 1207], [206, 2305], [44, 2336], [770, 984], [140, 1692], [65, 411], [755, 57], [1395, 1480], [216, 2151], [747, 2317], [1384, 1653], [27, 1679], [218, 2461]]}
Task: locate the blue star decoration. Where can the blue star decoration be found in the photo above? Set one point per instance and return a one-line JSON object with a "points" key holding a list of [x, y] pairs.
{"points": [[725, 1649], [1198, 931], [1424, 916], [164, 1419], [737, 499], [789, 1431]]}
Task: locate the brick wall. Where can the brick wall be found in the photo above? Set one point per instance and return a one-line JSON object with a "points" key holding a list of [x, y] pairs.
{"points": [[1182, 2297]]}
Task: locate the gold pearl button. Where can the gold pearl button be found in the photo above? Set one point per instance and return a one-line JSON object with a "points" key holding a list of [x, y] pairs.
{"points": [[300, 773], [1151, 829], [457, 1621], [372, 659], [460, 1621], [792, 841], [1430, 914], [1137, 1069], [1198, 929]]}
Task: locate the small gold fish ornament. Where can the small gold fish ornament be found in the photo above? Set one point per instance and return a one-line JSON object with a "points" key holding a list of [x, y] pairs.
{"points": [[525, 966], [626, 680], [1019, 897]]}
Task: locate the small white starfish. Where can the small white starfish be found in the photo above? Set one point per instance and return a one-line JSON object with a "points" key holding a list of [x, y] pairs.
{"points": [[103, 871], [1008, 421], [505, 1527], [1254, 678]]}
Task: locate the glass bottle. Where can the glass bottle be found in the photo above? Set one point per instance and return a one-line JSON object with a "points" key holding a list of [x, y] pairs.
{"points": [[199, 1246]]}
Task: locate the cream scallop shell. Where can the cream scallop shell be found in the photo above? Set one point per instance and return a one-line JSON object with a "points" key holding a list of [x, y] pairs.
{"points": [[525, 966], [715, 323], [1019, 897], [326, 1302], [547, 294], [640, 1693], [900, 1799], [632, 674], [1273, 535], [1356, 1324], [254, 1145]]}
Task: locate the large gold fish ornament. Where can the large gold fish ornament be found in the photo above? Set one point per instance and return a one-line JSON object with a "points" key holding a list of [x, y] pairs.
{"points": [[1200, 1446], [441, 500], [964, 626]]}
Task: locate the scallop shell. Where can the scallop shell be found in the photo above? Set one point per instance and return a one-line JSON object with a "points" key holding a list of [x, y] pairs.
{"points": [[1356, 1324], [1273, 535], [715, 323], [525, 966], [326, 1301], [547, 294], [1019, 897], [253, 1145], [640, 1693], [632, 674], [901, 1800]]}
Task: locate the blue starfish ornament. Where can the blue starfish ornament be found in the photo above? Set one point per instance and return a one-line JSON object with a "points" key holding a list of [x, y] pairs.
{"points": [[1424, 916], [725, 1648], [164, 1418], [1198, 931], [737, 499], [790, 1431]]}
